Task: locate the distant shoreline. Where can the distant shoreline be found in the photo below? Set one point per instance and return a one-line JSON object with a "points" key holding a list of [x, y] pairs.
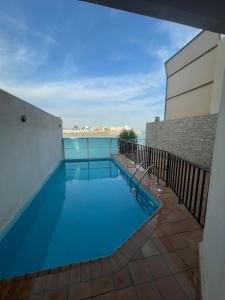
{"points": [[89, 134]]}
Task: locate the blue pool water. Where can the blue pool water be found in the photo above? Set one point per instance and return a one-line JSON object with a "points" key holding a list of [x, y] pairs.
{"points": [[85, 210]]}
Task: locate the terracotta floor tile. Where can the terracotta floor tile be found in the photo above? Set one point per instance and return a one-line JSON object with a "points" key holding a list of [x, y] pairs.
{"points": [[147, 231], [121, 258], [161, 218], [80, 291], [75, 274], [4, 288], [126, 251], [163, 244], [157, 266], [130, 245], [189, 257], [108, 296], [122, 279], [188, 285], [106, 267], [171, 228], [60, 294], [102, 285], [38, 284], [148, 291], [192, 239], [52, 281], [96, 269], [174, 262], [188, 225], [85, 271], [149, 249], [34, 297], [176, 215], [139, 239], [157, 233], [127, 294], [114, 265], [170, 289], [196, 276], [117, 260], [177, 242], [64, 278], [139, 271], [137, 255], [14, 288], [29, 286]]}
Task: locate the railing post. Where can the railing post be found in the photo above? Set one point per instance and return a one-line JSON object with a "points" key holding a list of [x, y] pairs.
{"points": [[135, 156], [167, 169]]}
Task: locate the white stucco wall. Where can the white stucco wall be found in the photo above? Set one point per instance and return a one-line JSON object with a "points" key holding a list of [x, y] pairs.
{"points": [[29, 152], [213, 245]]}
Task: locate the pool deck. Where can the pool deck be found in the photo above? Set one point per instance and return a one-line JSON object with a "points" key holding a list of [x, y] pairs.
{"points": [[159, 261]]}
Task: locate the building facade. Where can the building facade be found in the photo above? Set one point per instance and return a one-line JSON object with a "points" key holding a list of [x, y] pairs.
{"points": [[190, 78], [193, 93]]}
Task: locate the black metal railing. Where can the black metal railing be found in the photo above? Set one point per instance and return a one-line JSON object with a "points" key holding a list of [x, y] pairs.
{"points": [[189, 181]]}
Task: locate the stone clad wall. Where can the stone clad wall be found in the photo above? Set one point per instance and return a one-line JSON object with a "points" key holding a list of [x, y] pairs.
{"points": [[190, 138]]}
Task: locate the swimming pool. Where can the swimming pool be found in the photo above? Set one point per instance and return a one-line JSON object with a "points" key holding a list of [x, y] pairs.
{"points": [[84, 211]]}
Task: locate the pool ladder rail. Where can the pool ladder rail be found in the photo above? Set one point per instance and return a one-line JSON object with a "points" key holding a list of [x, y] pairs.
{"points": [[131, 179], [146, 171]]}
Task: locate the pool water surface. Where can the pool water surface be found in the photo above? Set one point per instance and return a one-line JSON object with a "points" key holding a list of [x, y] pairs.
{"points": [[84, 211]]}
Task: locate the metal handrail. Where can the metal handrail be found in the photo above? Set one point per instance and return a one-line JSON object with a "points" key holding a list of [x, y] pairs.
{"points": [[136, 171], [149, 168]]}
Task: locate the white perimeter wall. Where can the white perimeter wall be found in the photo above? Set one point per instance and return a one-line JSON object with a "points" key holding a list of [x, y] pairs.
{"points": [[213, 245], [29, 152]]}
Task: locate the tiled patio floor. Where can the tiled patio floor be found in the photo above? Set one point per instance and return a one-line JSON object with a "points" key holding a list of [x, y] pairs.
{"points": [[160, 261]]}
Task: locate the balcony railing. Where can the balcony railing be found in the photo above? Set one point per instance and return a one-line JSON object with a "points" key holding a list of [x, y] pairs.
{"points": [[90, 147], [189, 181]]}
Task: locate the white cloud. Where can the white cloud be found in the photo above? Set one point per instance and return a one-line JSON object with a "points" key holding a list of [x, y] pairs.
{"points": [[21, 26], [179, 35], [19, 59], [107, 99], [133, 99], [176, 35]]}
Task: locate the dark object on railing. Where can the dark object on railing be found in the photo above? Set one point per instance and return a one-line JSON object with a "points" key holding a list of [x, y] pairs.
{"points": [[189, 181]]}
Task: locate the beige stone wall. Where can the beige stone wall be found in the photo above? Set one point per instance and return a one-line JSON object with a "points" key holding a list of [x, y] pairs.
{"points": [[190, 138]]}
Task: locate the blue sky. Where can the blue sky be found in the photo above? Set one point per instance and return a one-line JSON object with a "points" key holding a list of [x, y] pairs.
{"points": [[86, 63]]}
